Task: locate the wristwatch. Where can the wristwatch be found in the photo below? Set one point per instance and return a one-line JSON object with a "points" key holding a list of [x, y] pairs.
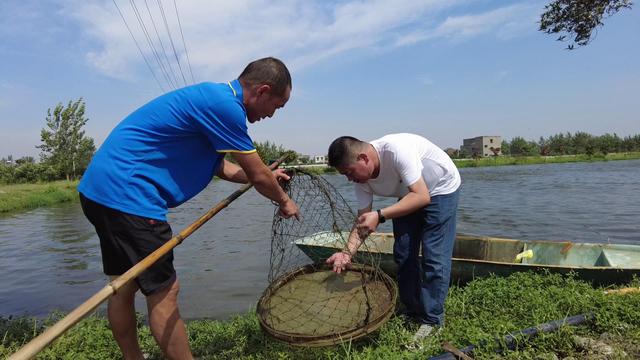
{"points": [[381, 217]]}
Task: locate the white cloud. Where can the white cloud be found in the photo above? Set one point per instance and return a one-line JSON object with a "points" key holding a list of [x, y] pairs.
{"points": [[506, 22], [224, 36]]}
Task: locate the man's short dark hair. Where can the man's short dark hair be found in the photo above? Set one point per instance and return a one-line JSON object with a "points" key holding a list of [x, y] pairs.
{"points": [[343, 151], [269, 71]]}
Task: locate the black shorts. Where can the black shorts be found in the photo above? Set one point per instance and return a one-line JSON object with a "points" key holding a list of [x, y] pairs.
{"points": [[126, 239]]}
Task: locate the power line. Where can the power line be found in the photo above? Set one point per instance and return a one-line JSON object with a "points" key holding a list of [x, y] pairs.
{"points": [[193, 80], [164, 51], [138, 46], [152, 48], [171, 40]]}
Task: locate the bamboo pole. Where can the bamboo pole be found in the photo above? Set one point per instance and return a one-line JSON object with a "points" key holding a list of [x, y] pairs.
{"points": [[33, 347]]}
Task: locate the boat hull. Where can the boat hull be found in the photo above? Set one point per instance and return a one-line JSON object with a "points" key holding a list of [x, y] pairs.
{"points": [[478, 257]]}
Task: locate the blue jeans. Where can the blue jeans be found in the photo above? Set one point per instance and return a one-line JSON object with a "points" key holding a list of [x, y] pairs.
{"points": [[424, 285]]}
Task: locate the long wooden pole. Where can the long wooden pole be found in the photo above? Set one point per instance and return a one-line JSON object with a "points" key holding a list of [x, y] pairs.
{"points": [[33, 347]]}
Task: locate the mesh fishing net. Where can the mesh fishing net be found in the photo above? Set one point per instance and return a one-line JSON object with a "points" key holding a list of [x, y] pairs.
{"points": [[307, 303]]}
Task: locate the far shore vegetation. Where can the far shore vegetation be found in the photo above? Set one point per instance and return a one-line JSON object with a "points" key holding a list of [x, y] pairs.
{"points": [[26, 183], [16, 197], [28, 196], [530, 160], [480, 313]]}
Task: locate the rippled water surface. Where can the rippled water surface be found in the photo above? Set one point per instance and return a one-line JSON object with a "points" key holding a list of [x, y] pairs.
{"points": [[50, 257]]}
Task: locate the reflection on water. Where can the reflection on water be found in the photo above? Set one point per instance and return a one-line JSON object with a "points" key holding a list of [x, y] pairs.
{"points": [[50, 257]]}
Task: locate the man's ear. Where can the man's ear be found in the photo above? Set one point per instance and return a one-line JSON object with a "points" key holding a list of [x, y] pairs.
{"points": [[263, 89], [363, 157]]}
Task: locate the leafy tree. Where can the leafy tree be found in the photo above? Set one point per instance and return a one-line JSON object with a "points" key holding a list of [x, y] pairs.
{"points": [[7, 173], [557, 144], [269, 151], [64, 144], [504, 148], [453, 153], [521, 147], [631, 143], [304, 159], [608, 143], [27, 173], [545, 149], [578, 18], [532, 148], [581, 142], [26, 160], [518, 146]]}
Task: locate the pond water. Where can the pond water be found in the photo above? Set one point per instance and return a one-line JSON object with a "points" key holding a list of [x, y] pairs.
{"points": [[50, 257]]}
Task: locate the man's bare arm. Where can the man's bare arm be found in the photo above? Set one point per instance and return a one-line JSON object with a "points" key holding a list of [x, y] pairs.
{"points": [[342, 259], [265, 182], [232, 172]]}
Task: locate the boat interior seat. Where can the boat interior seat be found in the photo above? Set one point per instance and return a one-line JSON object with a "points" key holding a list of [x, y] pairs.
{"points": [[620, 257], [563, 254]]}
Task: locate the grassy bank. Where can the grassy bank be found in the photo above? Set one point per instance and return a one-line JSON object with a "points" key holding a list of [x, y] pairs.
{"points": [[29, 196], [476, 314], [530, 160]]}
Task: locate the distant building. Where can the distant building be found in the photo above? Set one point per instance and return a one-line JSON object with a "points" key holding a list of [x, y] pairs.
{"points": [[320, 159], [482, 146]]}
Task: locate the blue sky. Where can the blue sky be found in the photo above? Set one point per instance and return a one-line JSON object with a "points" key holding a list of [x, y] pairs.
{"points": [[447, 70]]}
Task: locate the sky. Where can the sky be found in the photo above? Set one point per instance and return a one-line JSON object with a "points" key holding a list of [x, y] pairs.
{"points": [[444, 69]]}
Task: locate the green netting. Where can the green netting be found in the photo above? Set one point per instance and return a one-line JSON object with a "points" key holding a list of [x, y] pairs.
{"points": [[307, 303]]}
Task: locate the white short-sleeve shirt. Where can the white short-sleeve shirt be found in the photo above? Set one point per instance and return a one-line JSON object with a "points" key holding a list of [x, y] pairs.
{"points": [[404, 158]]}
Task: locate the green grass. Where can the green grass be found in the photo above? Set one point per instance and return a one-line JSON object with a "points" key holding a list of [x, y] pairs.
{"points": [[482, 311], [29, 196], [529, 160]]}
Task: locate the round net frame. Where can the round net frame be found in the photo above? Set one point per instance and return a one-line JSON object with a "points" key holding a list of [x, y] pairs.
{"points": [[306, 303]]}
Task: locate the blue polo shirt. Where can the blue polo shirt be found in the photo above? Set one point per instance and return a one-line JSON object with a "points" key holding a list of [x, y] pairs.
{"points": [[167, 151]]}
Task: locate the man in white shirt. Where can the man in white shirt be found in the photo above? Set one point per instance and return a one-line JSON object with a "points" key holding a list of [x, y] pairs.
{"points": [[426, 181]]}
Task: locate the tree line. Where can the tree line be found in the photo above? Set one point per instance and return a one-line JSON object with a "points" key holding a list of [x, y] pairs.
{"points": [[572, 144], [66, 150], [579, 143]]}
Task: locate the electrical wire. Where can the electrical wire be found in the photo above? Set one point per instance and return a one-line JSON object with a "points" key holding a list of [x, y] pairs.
{"points": [[193, 80], [138, 46], [152, 48], [166, 24]]}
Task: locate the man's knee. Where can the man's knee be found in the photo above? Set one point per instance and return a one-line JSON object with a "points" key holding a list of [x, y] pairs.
{"points": [[126, 292], [167, 294]]}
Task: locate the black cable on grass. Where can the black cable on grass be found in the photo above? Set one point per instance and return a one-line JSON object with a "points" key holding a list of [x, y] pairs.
{"points": [[512, 340]]}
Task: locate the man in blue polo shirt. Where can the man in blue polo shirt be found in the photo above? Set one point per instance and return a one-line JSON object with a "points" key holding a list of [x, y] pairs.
{"points": [[160, 156]]}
